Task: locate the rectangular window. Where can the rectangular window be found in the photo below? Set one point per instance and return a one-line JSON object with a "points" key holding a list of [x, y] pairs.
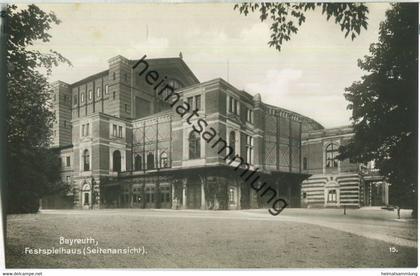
{"points": [[236, 106], [98, 92], [332, 196], [198, 102], [250, 115], [190, 101], [249, 146], [233, 105], [120, 132], [305, 163], [68, 161], [113, 95], [83, 97], [106, 89], [87, 129], [68, 179], [75, 99], [90, 94], [83, 130], [231, 196], [114, 130]]}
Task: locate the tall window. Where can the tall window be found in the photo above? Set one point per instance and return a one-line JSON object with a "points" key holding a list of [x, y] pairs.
{"points": [[68, 161], [332, 196], [190, 101], [87, 130], [164, 160], [250, 115], [137, 163], [98, 92], [116, 158], [106, 89], [120, 131], [198, 102], [232, 142], [75, 99], [233, 105], [90, 94], [231, 195], [82, 97], [249, 146], [114, 130], [331, 155], [305, 163], [194, 145], [150, 161], [86, 160]]}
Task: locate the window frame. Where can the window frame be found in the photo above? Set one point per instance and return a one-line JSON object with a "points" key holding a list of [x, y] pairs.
{"points": [[331, 153], [194, 145], [86, 160]]}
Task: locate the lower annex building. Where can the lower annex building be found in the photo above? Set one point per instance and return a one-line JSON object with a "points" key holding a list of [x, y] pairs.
{"points": [[121, 144]]}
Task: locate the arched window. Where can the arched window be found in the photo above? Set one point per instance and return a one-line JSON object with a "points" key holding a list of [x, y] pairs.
{"points": [[116, 158], [232, 142], [86, 160], [331, 154], [164, 160], [137, 163], [167, 92], [150, 161]]}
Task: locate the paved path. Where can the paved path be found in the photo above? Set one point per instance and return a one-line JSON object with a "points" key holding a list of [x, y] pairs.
{"points": [[297, 238], [372, 223]]}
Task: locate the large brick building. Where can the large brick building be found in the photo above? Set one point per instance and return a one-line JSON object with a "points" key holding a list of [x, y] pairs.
{"points": [[122, 145]]}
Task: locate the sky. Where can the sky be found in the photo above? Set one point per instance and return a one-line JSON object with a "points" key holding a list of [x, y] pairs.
{"points": [[308, 76]]}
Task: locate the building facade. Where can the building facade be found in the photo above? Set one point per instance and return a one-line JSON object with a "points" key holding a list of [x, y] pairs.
{"points": [[123, 144], [335, 183]]}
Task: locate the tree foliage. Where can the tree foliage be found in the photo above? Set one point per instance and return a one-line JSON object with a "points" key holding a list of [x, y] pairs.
{"points": [[33, 168], [384, 104], [287, 17]]}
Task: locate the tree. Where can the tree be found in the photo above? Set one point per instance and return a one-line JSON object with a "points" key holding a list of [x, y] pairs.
{"points": [[32, 167], [384, 104], [287, 17]]}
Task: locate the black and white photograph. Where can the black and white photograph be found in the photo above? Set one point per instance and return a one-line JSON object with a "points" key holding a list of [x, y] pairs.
{"points": [[209, 136]]}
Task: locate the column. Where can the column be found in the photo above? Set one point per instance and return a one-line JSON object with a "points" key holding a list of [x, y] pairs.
{"points": [[238, 205], [130, 194], [173, 206], [184, 195], [203, 195]]}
